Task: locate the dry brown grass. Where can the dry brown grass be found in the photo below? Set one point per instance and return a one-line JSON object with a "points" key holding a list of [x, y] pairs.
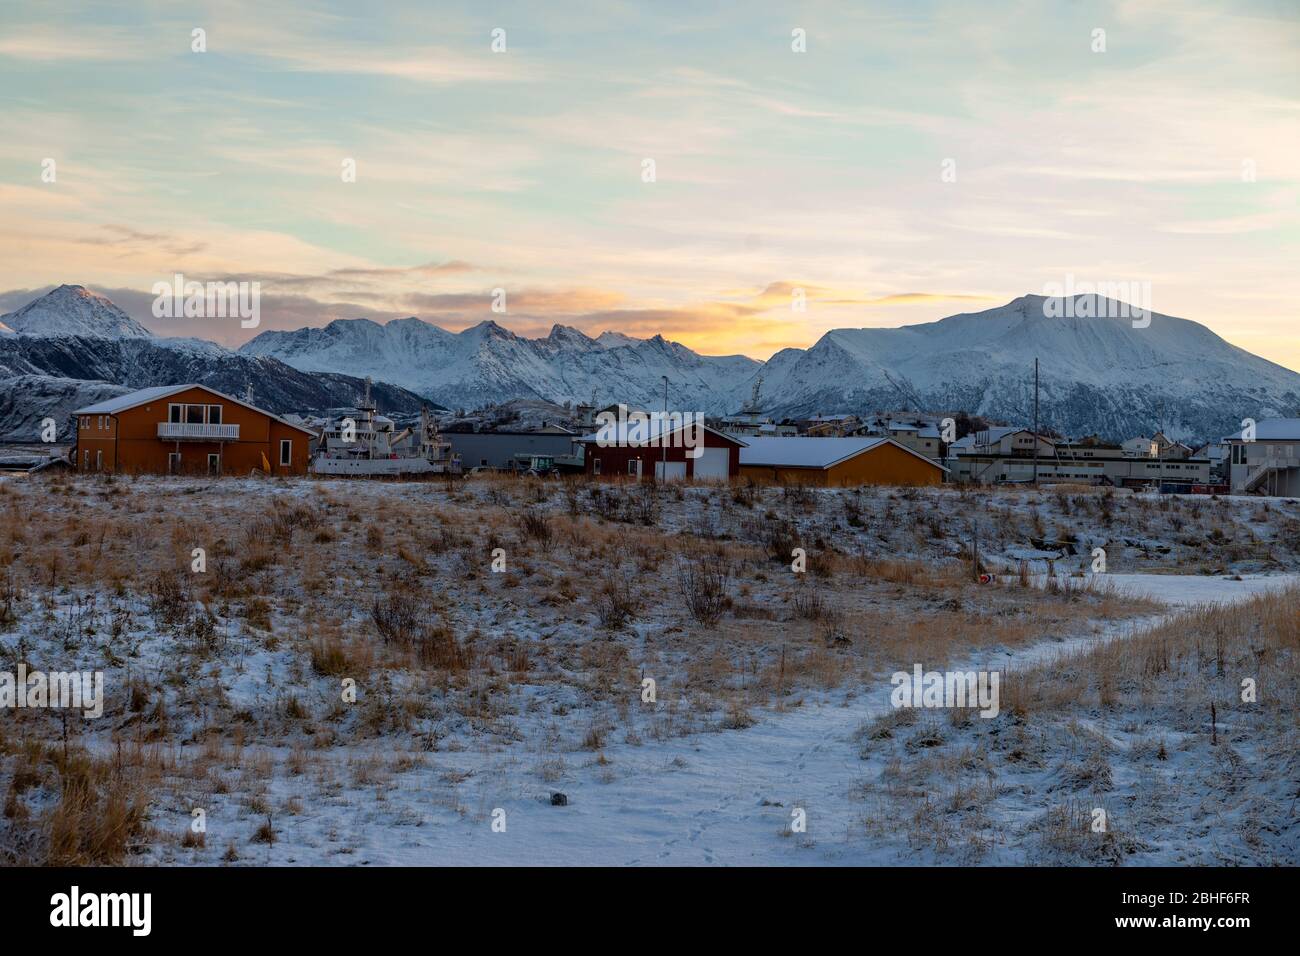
{"points": [[1099, 730], [397, 592], [1209, 649], [95, 809]]}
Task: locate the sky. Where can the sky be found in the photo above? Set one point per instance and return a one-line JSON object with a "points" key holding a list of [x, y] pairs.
{"points": [[913, 160]]}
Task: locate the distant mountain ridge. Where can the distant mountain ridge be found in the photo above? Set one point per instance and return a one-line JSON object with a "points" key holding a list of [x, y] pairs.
{"points": [[50, 372], [1098, 375], [487, 363]]}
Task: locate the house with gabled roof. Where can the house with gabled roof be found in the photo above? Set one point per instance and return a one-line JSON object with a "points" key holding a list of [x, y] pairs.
{"points": [[837, 462], [190, 430], [661, 446]]}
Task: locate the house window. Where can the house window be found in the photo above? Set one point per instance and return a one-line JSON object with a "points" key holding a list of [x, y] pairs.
{"points": [[174, 463], [174, 414], [99, 461], [634, 467], [194, 414], [85, 464], [214, 464], [482, 462], [214, 414], [286, 451], [595, 466]]}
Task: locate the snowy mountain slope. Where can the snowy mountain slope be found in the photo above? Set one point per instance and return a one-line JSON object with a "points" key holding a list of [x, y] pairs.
{"points": [[612, 340], [487, 363], [27, 400], [1097, 374], [74, 310], [131, 363]]}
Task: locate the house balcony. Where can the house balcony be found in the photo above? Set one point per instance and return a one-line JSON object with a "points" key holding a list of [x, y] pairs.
{"points": [[1259, 470], [185, 431]]}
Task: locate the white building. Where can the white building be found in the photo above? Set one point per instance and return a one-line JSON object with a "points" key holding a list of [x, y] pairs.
{"points": [[1141, 447], [745, 425], [1166, 447], [924, 439], [1007, 455], [1268, 463]]}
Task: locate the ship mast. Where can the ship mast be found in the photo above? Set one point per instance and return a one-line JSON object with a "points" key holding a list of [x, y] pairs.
{"points": [[368, 408]]}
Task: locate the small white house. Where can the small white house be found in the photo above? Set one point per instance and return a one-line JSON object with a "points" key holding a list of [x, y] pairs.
{"points": [[1141, 447], [1167, 447], [1268, 461]]}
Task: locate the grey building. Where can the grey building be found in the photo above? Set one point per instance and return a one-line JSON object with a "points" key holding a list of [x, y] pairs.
{"points": [[1007, 454], [1267, 461], [503, 449]]}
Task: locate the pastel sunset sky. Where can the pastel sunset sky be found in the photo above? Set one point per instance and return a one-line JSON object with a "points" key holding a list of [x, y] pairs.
{"points": [[1173, 157]]}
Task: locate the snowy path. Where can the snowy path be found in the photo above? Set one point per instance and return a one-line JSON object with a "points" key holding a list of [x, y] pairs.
{"points": [[1177, 592], [1187, 590], [714, 798]]}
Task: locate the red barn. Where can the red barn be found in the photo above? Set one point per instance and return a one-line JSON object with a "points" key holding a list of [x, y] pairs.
{"points": [[665, 448]]}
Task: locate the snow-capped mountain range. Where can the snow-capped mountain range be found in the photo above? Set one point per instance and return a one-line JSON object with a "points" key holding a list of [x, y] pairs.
{"points": [[488, 363], [1098, 375], [72, 348]]}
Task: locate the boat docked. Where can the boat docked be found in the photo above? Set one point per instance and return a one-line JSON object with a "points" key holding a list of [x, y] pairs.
{"points": [[368, 444]]}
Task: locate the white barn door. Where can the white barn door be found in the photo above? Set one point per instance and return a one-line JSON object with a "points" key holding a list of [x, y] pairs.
{"points": [[676, 470], [713, 463]]}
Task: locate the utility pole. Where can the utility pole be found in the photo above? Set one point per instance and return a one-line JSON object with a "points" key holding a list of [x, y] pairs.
{"points": [[1160, 459], [1035, 421], [663, 445], [1160, 451]]}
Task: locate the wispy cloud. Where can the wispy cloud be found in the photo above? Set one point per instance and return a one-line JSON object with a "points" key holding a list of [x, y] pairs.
{"points": [[1174, 157], [68, 42]]}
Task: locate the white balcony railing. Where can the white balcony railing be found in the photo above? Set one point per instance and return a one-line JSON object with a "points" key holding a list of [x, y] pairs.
{"points": [[1260, 469], [183, 430]]}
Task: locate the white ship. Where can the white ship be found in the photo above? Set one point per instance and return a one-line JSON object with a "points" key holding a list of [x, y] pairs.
{"points": [[369, 445]]}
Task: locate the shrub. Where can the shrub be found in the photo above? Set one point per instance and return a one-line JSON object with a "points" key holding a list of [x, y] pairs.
{"points": [[615, 605], [534, 525], [703, 584]]}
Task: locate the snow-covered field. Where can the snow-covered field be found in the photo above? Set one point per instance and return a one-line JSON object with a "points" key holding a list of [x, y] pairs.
{"points": [[482, 691]]}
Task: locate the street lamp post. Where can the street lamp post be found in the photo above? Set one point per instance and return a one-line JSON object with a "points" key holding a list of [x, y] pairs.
{"points": [[663, 446]]}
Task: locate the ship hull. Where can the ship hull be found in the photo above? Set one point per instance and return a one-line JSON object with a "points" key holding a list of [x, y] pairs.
{"points": [[377, 467]]}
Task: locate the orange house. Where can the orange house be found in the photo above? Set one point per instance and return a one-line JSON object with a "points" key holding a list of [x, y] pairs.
{"points": [[837, 462], [186, 430]]}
